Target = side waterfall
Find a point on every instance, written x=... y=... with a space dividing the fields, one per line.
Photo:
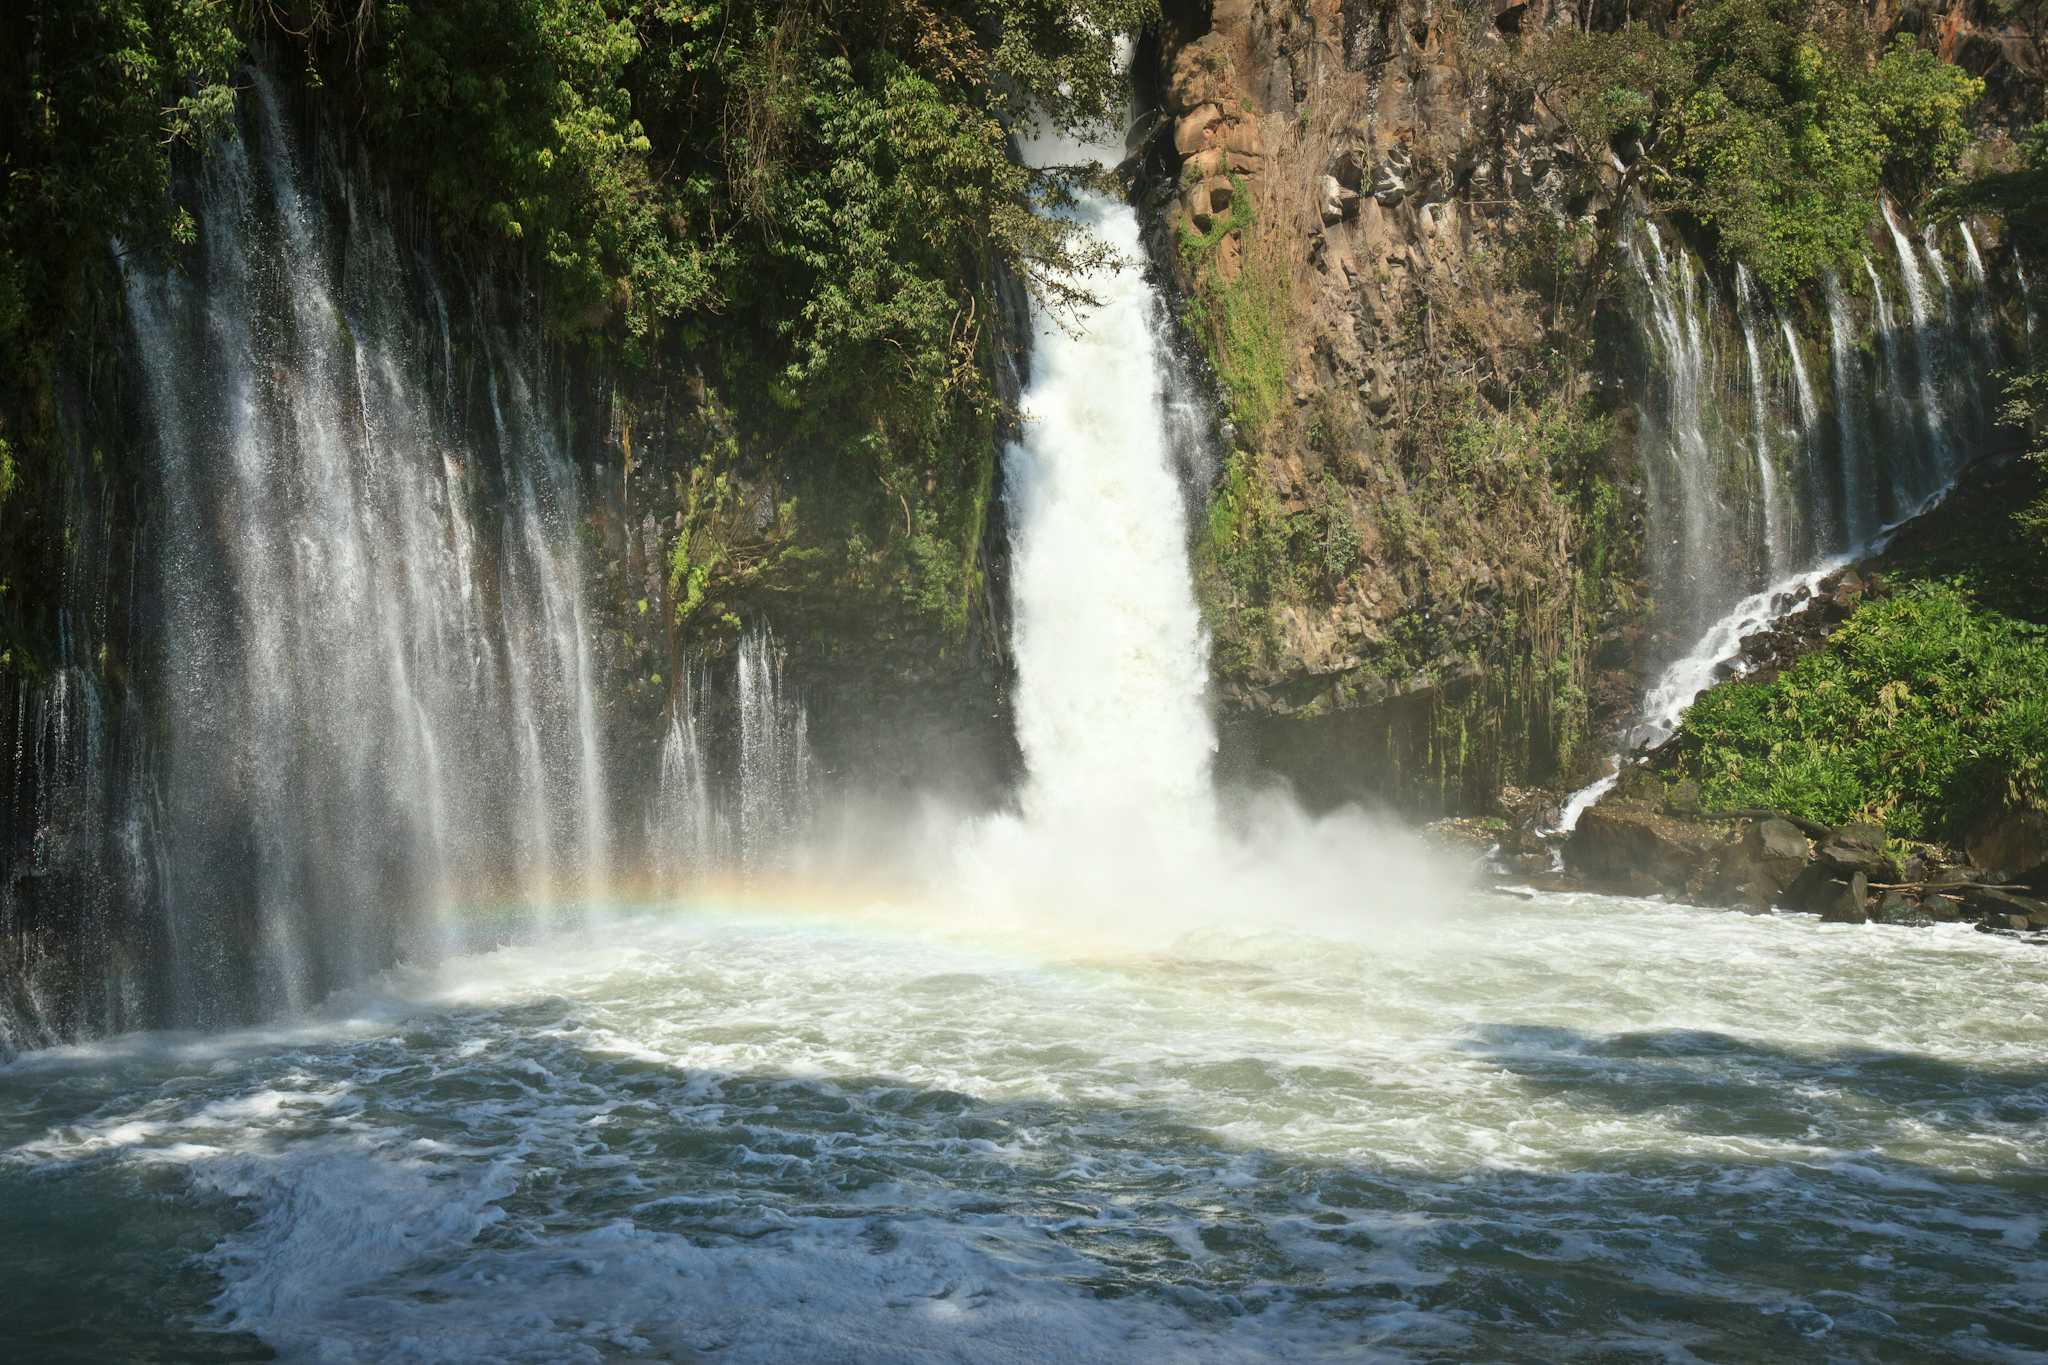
x=362 y=642
x=1731 y=547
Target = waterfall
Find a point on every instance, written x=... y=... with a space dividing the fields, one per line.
x=1760 y=438
x=1932 y=409
x=1691 y=557
x=1858 y=507
x=1112 y=669
x=775 y=792
x=738 y=781
x=1970 y=256
x=1806 y=411
x=359 y=735
x=1881 y=473
x=687 y=834
x=1982 y=339
x=2019 y=275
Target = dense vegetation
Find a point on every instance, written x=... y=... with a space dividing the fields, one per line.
x=1925 y=712
x=805 y=204
x=1770 y=124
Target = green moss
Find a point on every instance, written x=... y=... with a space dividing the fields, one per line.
x=1244 y=324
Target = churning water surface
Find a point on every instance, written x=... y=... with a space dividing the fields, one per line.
x=1569 y=1128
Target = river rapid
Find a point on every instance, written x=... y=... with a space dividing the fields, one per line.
x=786 y=1130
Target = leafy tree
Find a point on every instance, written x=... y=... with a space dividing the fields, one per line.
x=94 y=97
x=1767 y=122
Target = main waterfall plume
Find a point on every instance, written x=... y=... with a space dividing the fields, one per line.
x=1112 y=671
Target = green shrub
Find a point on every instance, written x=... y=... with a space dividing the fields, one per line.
x=1924 y=711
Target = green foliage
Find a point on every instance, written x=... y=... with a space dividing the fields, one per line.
x=535 y=147
x=1924 y=712
x=1920 y=103
x=1248 y=561
x=2024 y=408
x=1765 y=121
x=98 y=96
x=1243 y=323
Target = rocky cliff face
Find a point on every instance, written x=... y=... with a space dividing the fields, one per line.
x=1422 y=550
x=1430 y=555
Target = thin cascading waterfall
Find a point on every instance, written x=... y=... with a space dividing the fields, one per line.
x=775 y=781
x=1112 y=669
x=1806 y=409
x=1971 y=257
x=77 y=819
x=1957 y=343
x=1932 y=408
x=739 y=784
x=687 y=834
x=1982 y=337
x=543 y=512
x=1775 y=549
x=1689 y=558
x=1853 y=455
x=1907 y=459
x=2026 y=288
x=359 y=734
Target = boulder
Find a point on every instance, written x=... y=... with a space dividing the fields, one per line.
x=1347 y=168
x=1846 y=904
x=1201 y=74
x=1858 y=848
x=1941 y=909
x=1779 y=849
x=1204 y=164
x=1894 y=908
x=1196 y=129
x=1208 y=200
x=1988 y=903
x=2010 y=841
x=1632 y=848
x=1337 y=203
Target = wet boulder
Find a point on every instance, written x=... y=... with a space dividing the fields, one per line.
x=1847 y=903
x=1992 y=904
x=1779 y=850
x=1633 y=848
x=2012 y=840
x=1858 y=848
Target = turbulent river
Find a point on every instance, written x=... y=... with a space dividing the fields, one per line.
x=1480 y=1130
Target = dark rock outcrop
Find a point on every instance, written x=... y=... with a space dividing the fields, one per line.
x=1633 y=848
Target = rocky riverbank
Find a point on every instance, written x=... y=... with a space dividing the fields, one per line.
x=1851 y=874
x=1659 y=832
